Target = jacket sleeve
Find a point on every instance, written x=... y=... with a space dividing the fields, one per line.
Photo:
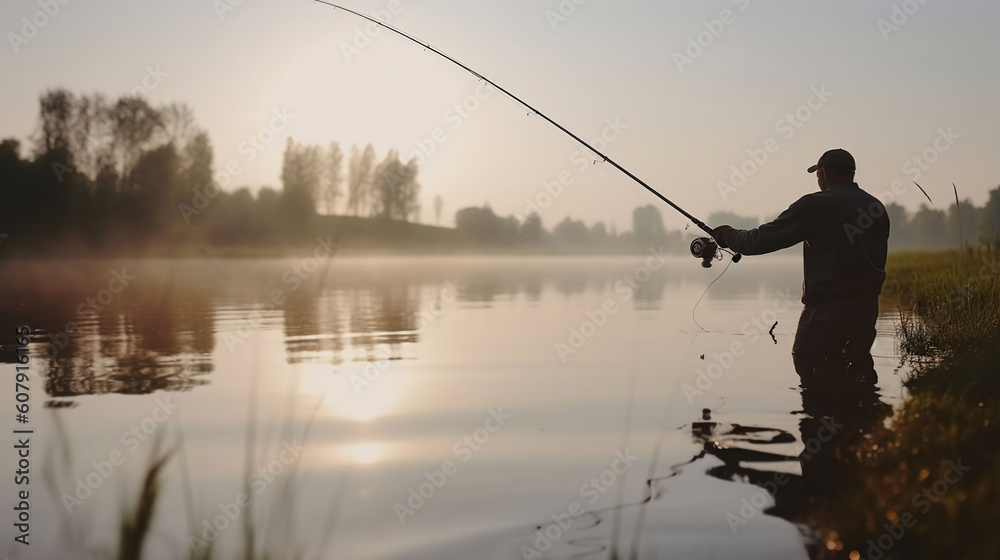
x=789 y=228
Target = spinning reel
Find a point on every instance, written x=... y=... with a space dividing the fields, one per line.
x=706 y=249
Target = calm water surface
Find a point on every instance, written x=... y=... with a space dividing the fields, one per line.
x=417 y=408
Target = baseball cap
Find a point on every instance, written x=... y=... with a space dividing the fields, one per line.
x=835 y=158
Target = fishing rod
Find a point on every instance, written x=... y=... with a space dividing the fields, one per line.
x=704 y=248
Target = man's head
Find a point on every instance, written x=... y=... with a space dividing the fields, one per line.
x=835 y=166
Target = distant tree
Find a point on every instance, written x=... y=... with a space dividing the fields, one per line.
x=56 y=110
x=196 y=165
x=332 y=177
x=438 y=207
x=362 y=166
x=234 y=217
x=301 y=173
x=900 y=232
x=961 y=224
x=411 y=191
x=532 y=232
x=482 y=226
x=395 y=189
x=90 y=137
x=13 y=173
x=571 y=232
x=929 y=227
x=178 y=124
x=154 y=178
x=268 y=209
x=134 y=126
x=989 y=218
x=598 y=234
x=647 y=225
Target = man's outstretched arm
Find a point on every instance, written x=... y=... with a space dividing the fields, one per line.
x=791 y=227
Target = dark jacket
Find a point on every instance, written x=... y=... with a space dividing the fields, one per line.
x=845 y=230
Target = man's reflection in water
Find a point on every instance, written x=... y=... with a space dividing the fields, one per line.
x=832 y=355
x=840 y=406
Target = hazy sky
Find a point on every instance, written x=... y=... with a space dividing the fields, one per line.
x=888 y=93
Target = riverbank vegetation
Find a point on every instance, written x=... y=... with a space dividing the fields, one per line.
x=926 y=484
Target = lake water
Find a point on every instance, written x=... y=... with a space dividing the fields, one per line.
x=411 y=408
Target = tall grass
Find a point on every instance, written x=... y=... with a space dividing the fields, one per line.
x=949 y=306
x=136 y=522
x=949 y=302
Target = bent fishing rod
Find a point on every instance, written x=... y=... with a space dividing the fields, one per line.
x=704 y=248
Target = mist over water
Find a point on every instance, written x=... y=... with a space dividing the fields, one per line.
x=525 y=402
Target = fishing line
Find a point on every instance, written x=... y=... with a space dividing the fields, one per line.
x=709 y=287
x=530 y=108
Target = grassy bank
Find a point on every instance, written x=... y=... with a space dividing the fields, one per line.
x=926 y=484
x=950 y=301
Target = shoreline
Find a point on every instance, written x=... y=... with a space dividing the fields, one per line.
x=901 y=495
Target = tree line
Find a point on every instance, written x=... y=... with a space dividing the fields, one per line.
x=480 y=226
x=109 y=173
x=962 y=223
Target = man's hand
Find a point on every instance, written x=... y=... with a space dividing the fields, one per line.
x=719 y=234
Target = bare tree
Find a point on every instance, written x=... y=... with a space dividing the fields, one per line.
x=359 y=180
x=395 y=188
x=90 y=138
x=196 y=164
x=178 y=124
x=134 y=126
x=301 y=174
x=332 y=177
x=54 y=120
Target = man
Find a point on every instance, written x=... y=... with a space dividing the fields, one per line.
x=845 y=231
